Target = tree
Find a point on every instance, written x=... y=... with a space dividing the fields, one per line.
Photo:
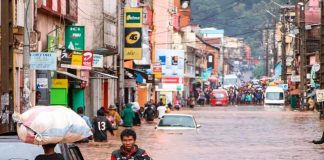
x=258 y=71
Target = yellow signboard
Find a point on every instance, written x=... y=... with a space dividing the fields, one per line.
x=133 y=17
x=133 y=53
x=76 y=58
x=133 y=43
x=60 y=83
x=158 y=75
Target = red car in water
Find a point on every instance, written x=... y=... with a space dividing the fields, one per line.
x=219 y=97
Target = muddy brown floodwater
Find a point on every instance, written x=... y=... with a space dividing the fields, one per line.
x=234 y=133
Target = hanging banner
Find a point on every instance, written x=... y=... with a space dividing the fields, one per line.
x=133 y=17
x=43 y=61
x=77 y=60
x=74 y=37
x=133 y=43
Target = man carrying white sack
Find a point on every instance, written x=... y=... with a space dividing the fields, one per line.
x=49 y=153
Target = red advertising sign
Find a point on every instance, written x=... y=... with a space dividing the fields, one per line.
x=172 y=80
x=157 y=68
x=87 y=59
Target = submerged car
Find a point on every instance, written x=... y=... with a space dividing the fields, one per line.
x=177 y=122
x=12 y=148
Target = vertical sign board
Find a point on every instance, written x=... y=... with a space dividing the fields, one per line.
x=320 y=95
x=157 y=71
x=133 y=33
x=133 y=43
x=52 y=42
x=74 y=37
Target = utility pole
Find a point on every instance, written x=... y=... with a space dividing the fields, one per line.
x=121 y=79
x=7 y=62
x=322 y=58
x=27 y=28
x=267 y=50
x=274 y=51
x=302 y=66
x=283 y=46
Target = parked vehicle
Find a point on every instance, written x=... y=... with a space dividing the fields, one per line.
x=12 y=148
x=219 y=97
x=274 y=96
x=177 y=122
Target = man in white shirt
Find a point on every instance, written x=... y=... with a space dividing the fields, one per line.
x=161 y=111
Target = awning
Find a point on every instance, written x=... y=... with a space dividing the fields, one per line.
x=133 y=71
x=103 y=76
x=71 y=75
x=108 y=51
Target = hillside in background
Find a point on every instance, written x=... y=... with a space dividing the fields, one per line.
x=239 y=18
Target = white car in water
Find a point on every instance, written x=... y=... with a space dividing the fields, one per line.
x=177 y=122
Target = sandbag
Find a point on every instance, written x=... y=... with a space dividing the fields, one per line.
x=51 y=125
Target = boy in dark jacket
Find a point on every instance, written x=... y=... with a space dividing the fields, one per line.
x=129 y=150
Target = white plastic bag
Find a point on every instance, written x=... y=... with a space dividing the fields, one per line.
x=50 y=125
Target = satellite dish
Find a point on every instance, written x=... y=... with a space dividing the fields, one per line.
x=185 y=4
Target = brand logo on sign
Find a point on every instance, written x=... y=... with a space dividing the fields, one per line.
x=133 y=37
x=133 y=17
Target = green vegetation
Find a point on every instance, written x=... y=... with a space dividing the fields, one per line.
x=239 y=18
x=258 y=71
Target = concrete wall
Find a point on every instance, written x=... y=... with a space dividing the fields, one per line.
x=91 y=16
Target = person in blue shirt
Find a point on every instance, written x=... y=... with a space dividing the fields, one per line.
x=84 y=117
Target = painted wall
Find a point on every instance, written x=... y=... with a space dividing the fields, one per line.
x=162 y=24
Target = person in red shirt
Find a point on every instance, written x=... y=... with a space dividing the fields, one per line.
x=129 y=150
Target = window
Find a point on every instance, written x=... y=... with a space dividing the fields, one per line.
x=232 y=81
x=177 y=121
x=275 y=96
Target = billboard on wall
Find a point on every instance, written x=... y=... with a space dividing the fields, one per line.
x=74 y=37
x=77 y=60
x=172 y=62
x=43 y=61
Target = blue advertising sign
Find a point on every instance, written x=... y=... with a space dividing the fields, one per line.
x=43 y=61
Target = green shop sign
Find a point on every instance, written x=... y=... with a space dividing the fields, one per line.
x=133 y=17
x=74 y=37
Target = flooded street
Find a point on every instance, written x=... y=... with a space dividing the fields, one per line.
x=231 y=133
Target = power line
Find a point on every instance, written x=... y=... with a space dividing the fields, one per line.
x=212 y=9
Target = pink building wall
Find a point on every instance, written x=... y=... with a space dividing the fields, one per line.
x=162 y=24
